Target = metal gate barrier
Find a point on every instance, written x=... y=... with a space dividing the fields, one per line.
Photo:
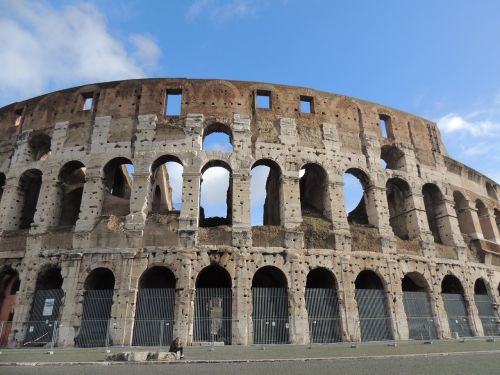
x=270 y=315
x=421 y=322
x=323 y=314
x=212 y=315
x=94 y=329
x=458 y=319
x=154 y=317
x=42 y=326
x=374 y=317
x=487 y=315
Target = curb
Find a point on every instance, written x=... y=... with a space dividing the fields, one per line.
x=185 y=362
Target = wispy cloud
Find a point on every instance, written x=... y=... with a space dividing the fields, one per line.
x=224 y=10
x=454 y=123
x=44 y=46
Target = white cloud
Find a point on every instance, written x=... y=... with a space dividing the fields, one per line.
x=175 y=179
x=223 y=10
x=453 y=123
x=214 y=191
x=44 y=47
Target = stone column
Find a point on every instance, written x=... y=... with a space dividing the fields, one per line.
x=471 y=309
x=290 y=210
x=377 y=210
x=92 y=200
x=396 y=304
x=190 y=211
x=242 y=301
x=69 y=271
x=124 y=299
x=339 y=215
x=349 y=307
x=470 y=220
x=418 y=227
x=139 y=199
x=184 y=299
x=11 y=205
x=298 y=320
x=489 y=227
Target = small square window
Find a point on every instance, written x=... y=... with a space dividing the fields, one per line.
x=19 y=117
x=384 y=123
x=88 y=102
x=306 y=104
x=263 y=99
x=173 y=105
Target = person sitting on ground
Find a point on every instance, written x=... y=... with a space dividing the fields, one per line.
x=176 y=347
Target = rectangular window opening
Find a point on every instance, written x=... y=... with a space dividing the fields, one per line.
x=19 y=117
x=263 y=100
x=306 y=104
x=88 y=102
x=173 y=103
x=384 y=122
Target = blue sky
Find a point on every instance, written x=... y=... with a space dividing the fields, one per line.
x=438 y=59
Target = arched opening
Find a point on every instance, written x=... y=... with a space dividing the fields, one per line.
x=97 y=302
x=45 y=307
x=166 y=185
x=452 y=293
x=71 y=183
x=462 y=211
x=217 y=137
x=485 y=309
x=314 y=191
x=485 y=220
x=357 y=204
x=322 y=305
x=491 y=191
x=154 y=313
x=215 y=194
x=2 y=185
x=433 y=201
x=212 y=305
x=30 y=183
x=266 y=193
x=118 y=180
x=392 y=157
x=400 y=207
x=9 y=285
x=39 y=145
x=497 y=218
x=374 y=317
x=270 y=306
x=417 y=303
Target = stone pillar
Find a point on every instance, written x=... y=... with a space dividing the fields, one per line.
x=396 y=304
x=139 y=199
x=69 y=271
x=290 y=210
x=242 y=301
x=190 y=211
x=241 y=200
x=471 y=309
x=418 y=227
x=11 y=205
x=92 y=200
x=348 y=306
x=489 y=227
x=298 y=320
x=49 y=203
x=377 y=210
x=24 y=300
x=470 y=220
x=339 y=216
x=184 y=305
x=124 y=299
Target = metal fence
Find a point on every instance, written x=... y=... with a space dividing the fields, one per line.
x=270 y=316
x=458 y=319
x=323 y=314
x=212 y=315
x=154 y=319
x=421 y=321
x=487 y=315
x=94 y=329
x=44 y=313
x=374 y=318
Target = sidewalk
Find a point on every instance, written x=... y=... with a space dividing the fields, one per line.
x=258 y=352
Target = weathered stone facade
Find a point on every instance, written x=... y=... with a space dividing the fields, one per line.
x=424 y=215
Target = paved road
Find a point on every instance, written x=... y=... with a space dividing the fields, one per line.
x=463 y=364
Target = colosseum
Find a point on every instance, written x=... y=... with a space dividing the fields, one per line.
x=95 y=250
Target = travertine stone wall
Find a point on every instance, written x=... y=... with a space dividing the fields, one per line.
x=128 y=120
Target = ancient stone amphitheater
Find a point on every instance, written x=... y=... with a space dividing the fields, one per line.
x=94 y=252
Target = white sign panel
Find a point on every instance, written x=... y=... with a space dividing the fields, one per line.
x=48 y=307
